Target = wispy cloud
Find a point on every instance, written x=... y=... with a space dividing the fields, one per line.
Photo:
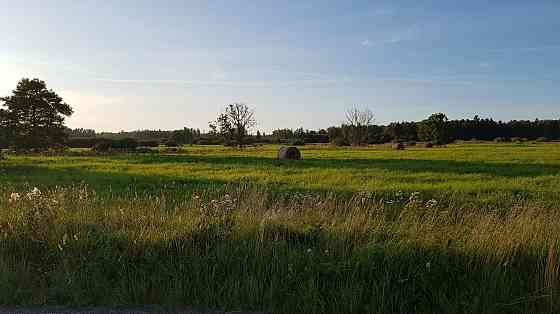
x=296 y=83
x=388 y=40
x=367 y=43
x=227 y=83
x=525 y=49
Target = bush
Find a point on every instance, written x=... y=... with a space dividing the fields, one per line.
x=143 y=149
x=297 y=142
x=106 y=145
x=102 y=146
x=170 y=143
x=341 y=141
x=127 y=144
x=148 y=143
x=59 y=149
x=83 y=142
x=502 y=140
x=541 y=139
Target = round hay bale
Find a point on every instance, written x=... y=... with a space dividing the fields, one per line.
x=398 y=146
x=289 y=153
x=428 y=145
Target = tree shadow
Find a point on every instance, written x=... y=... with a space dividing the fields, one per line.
x=286 y=271
x=510 y=170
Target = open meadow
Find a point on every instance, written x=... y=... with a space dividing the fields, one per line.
x=465 y=228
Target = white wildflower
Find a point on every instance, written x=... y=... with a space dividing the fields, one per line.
x=35 y=193
x=14 y=197
x=431 y=203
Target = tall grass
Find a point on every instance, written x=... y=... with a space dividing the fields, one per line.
x=243 y=247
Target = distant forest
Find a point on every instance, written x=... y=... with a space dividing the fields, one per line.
x=464 y=129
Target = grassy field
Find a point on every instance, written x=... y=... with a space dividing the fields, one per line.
x=459 y=229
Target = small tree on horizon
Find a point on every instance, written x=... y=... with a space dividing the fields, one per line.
x=435 y=129
x=358 y=121
x=34 y=116
x=235 y=122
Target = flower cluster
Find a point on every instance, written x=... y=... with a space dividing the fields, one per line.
x=34 y=194
x=14 y=197
x=431 y=203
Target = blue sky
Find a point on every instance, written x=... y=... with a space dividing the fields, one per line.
x=128 y=65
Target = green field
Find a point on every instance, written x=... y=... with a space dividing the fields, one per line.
x=457 y=229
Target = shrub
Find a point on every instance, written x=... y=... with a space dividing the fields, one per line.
x=148 y=143
x=125 y=144
x=102 y=146
x=297 y=142
x=83 y=142
x=341 y=141
x=541 y=139
x=143 y=149
x=59 y=149
x=502 y=140
x=170 y=143
x=169 y=150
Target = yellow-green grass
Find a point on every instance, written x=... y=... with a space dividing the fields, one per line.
x=343 y=231
x=487 y=175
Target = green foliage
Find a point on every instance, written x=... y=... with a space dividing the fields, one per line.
x=123 y=145
x=34 y=116
x=297 y=142
x=435 y=129
x=502 y=140
x=234 y=124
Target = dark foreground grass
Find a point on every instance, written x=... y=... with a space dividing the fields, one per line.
x=247 y=250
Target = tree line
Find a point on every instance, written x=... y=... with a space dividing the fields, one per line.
x=34 y=117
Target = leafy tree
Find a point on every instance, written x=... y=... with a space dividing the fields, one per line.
x=235 y=122
x=435 y=129
x=34 y=115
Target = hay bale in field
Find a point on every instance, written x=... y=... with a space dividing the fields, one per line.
x=289 y=153
x=428 y=145
x=398 y=146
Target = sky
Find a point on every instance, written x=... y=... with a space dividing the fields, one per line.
x=126 y=65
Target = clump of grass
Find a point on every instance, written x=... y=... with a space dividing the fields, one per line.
x=244 y=248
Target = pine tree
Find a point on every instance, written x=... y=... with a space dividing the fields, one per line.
x=34 y=115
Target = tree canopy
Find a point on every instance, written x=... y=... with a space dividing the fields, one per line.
x=33 y=116
x=234 y=123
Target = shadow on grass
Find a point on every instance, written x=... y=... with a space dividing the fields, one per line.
x=407 y=165
x=282 y=274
